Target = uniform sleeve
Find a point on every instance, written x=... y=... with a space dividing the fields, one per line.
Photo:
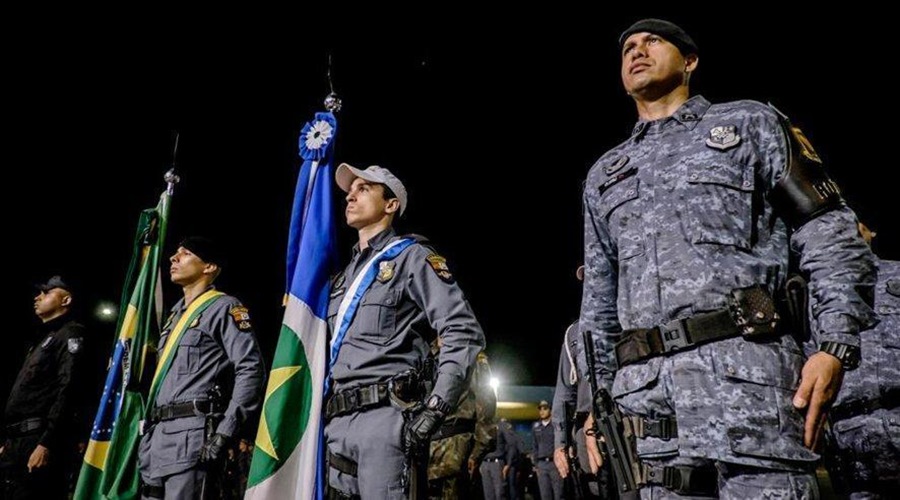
x=69 y=374
x=838 y=262
x=565 y=393
x=241 y=348
x=485 y=410
x=599 y=314
x=450 y=315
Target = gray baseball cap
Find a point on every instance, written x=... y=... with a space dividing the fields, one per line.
x=346 y=173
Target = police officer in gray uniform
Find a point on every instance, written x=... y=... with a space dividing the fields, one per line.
x=386 y=307
x=496 y=466
x=213 y=383
x=688 y=228
x=549 y=480
x=865 y=418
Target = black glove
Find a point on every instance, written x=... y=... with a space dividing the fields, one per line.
x=213 y=448
x=419 y=431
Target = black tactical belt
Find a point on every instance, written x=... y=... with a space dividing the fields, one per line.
x=681 y=479
x=450 y=429
x=750 y=313
x=864 y=406
x=342 y=464
x=196 y=408
x=336 y=494
x=151 y=491
x=498 y=459
x=357 y=399
x=662 y=428
x=544 y=459
x=24 y=427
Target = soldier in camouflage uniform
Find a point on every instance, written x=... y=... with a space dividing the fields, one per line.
x=865 y=419
x=688 y=228
x=466 y=436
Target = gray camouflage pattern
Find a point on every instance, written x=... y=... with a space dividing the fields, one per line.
x=677 y=226
x=869 y=445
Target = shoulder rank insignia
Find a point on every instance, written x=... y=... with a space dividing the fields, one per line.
x=385 y=271
x=241 y=317
x=168 y=322
x=439 y=266
x=74 y=345
x=195 y=322
x=47 y=341
x=724 y=137
x=806 y=148
x=893 y=287
x=616 y=165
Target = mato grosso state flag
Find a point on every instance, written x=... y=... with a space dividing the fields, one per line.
x=288 y=443
x=110 y=468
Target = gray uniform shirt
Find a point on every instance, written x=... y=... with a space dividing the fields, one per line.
x=413 y=299
x=571 y=386
x=679 y=215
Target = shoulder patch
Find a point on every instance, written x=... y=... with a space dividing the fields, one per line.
x=241 y=317
x=439 y=266
x=74 y=345
x=806 y=148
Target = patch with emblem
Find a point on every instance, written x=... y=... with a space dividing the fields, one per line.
x=385 y=271
x=439 y=266
x=241 y=317
x=47 y=341
x=806 y=148
x=338 y=280
x=616 y=165
x=893 y=287
x=74 y=345
x=724 y=137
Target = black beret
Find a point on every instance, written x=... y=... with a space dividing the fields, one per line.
x=205 y=248
x=670 y=31
x=55 y=282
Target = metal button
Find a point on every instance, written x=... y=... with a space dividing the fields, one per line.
x=730 y=369
x=630 y=192
x=694 y=177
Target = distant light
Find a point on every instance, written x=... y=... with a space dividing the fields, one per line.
x=495 y=383
x=106 y=311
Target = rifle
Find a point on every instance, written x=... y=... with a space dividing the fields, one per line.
x=574 y=478
x=619 y=448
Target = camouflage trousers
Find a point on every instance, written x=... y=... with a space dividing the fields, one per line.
x=868 y=451
x=447 y=467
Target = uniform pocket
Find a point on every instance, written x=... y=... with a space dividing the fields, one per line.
x=720 y=197
x=178 y=441
x=376 y=318
x=187 y=359
x=758 y=384
x=618 y=205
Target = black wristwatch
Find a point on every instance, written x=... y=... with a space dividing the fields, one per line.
x=436 y=403
x=847 y=354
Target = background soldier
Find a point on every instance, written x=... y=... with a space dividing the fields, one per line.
x=465 y=438
x=549 y=480
x=689 y=225
x=388 y=304
x=36 y=440
x=211 y=380
x=866 y=413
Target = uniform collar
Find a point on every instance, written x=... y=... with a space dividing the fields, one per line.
x=377 y=242
x=53 y=325
x=180 y=306
x=688 y=115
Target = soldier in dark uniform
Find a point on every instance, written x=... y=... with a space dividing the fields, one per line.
x=495 y=467
x=388 y=304
x=36 y=440
x=210 y=380
x=549 y=480
x=689 y=225
x=865 y=418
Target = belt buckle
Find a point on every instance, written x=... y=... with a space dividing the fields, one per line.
x=673 y=335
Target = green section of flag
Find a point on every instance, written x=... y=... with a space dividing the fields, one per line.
x=286 y=410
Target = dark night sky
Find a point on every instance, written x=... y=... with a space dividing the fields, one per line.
x=492 y=123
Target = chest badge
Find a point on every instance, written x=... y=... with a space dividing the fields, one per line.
x=724 y=137
x=616 y=165
x=385 y=271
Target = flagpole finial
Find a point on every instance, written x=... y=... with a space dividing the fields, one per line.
x=171 y=179
x=333 y=103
